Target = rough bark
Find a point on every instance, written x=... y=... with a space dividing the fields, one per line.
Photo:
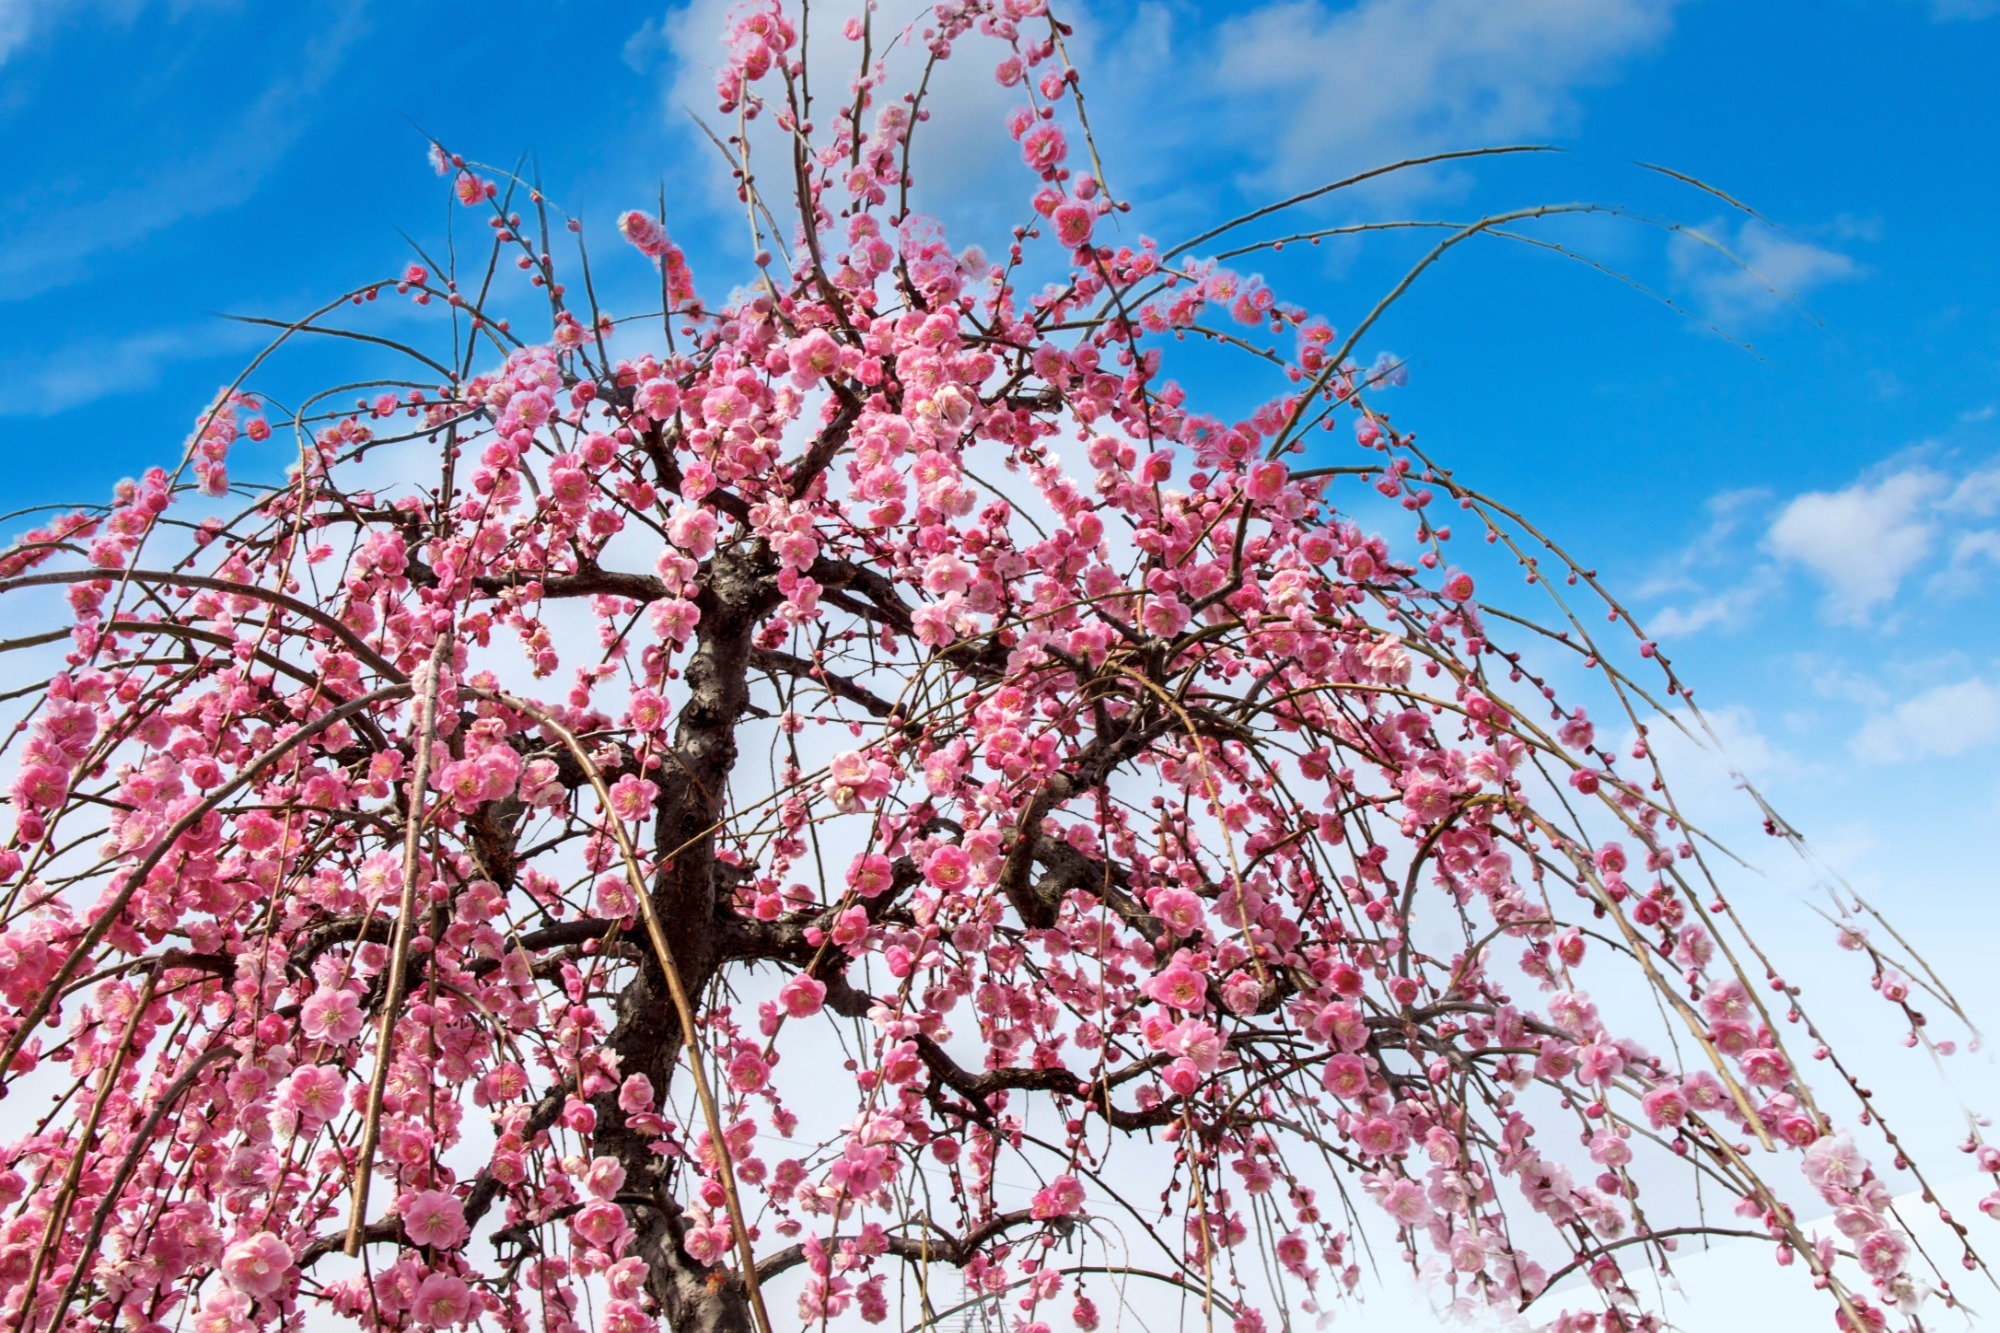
x=737 y=591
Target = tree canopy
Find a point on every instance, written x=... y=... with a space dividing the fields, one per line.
x=668 y=820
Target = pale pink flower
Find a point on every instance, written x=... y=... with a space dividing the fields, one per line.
x=1061 y=1197
x=813 y=358
x=1345 y=1076
x=1882 y=1253
x=1834 y=1163
x=802 y=996
x=314 y=1094
x=257 y=1265
x=1266 y=481
x=331 y=1015
x=636 y=1096
x=605 y=1177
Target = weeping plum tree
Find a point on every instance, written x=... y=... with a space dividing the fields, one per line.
x=863 y=798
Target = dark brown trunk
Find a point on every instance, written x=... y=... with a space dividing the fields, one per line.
x=738 y=591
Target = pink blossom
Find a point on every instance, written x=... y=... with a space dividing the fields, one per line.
x=1180 y=986
x=332 y=1016
x=1345 y=1076
x=814 y=357
x=1061 y=1197
x=1164 y=616
x=614 y=896
x=624 y=1315
x=1267 y=481
x=442 y=1300
x=632 y=797
x=869 y=875
x=636 y=1095
x=1882 y=1254
x=1665 y=1108
x=948 y=869
x=600 y=1225
x=1833 y=1162
x=605 y=1177
x=748 y=1071
x=434 y=1218
x=802 y=996
x=1073 y=224
x=693 y=530
x=1599 y=1062
x=257 y=1265
x=644 y=233
x=1044 y=147
x=314 y=1093
x=223 y=1310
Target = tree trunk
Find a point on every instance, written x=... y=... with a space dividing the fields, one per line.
x=738 y=591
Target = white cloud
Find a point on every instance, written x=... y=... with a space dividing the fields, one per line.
x=1943 y=720
x=1862 y=541
x=1734 y=277
x=1319 y=91
x=1741 y=744
x=1724 y=608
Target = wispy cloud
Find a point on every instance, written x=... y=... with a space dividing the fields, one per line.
x=17 y=24
x=1735 y=276
x=1950 y=11
x=21 y=21
x=54 y=247
x=1689 y=577
x=1731 y=606
x=85 y=372
x=1319 y=90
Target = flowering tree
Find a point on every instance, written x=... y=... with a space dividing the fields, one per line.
x=872 y=785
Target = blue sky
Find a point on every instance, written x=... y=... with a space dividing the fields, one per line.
x=1812 y=529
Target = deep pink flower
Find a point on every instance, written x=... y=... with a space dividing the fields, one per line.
x=600 y=1225
x=1074 y=222
x=1180 y=986
x=1044 y=147
x=442 y=1300
x=434 y=1218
